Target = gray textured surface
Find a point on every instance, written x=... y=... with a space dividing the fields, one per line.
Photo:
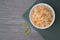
x=11 y=17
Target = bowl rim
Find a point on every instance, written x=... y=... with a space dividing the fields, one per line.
x=53 y=12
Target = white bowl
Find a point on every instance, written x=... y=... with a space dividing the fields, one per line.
x=53 y=12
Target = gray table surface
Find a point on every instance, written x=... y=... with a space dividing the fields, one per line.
x=11 y=17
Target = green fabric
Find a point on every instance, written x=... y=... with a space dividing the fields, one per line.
x=52 y=33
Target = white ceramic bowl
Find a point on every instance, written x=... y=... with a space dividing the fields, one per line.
x=53 y=12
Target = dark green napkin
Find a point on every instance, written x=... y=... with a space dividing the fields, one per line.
x=52 y=33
